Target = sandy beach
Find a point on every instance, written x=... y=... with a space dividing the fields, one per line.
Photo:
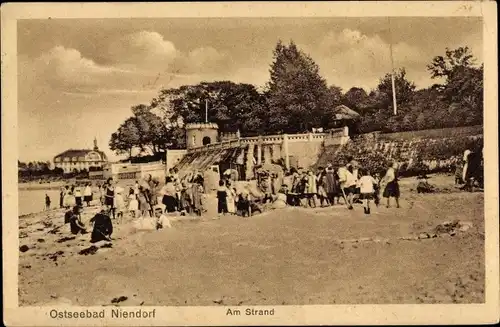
x=291 y=256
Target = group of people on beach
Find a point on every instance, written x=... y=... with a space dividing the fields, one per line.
x=70 y=196
x=185 y=196
x=469 y=170
x=101 y=223
x=349 y=182
x=141 y=203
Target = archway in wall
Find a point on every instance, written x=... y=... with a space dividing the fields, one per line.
x=206 y=140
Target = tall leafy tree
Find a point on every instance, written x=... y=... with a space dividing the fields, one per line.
x=296 y=93
x=335 y=94
x=126 y=138
x=444 y=66
x=355 y=98
x=462 y=88
x=405 y=89
x=232 y=106
x=146 y=132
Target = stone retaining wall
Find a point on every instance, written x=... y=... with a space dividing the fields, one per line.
x=375 y=151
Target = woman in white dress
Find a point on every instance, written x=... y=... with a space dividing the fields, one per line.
x=66 y=197
x=231 y=195
x=71 y=199
x=119 y=202
x=87 y=194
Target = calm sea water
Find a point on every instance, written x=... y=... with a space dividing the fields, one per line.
x=31 y=201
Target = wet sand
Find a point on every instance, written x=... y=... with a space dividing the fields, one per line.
x=292 y=256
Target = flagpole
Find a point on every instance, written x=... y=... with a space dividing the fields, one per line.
x=206 y=110
x=394 y=102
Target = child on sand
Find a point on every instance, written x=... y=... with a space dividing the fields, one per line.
x=119 y=202
x=366 y=186
x=347 y=184
x=61 y=197
x=222 y=198
x=75 y=222
x=78 y=195
x=376 y=188
x=311 y=189
x=162 y=220
x=87 y=194
x=144 y=206
x=243 y=204
x=459 y=168
x=196 y=196
x=133 y=204
x=391 y=189
x=47 y=202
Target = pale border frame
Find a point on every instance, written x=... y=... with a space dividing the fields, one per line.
x=286 y=315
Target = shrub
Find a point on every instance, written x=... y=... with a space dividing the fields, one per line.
x=427 y=155
x=434 y=133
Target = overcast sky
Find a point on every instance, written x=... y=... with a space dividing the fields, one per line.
x=78 y=78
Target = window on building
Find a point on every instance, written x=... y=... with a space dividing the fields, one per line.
x=206 y=140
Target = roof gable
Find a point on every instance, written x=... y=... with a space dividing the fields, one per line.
x=344 y=112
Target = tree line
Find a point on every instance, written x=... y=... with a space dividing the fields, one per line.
x=297 y=98
x=42 y=170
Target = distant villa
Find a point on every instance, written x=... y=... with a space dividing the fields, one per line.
x=71 y=160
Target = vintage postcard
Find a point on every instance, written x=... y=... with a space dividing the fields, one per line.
x=268 y=163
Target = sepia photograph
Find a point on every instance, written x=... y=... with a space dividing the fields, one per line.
x=249 y=164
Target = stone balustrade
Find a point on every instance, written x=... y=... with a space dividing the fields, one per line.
x=268 y=139
x=266 y=149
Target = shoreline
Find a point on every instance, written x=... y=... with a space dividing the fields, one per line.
x=35 y=186
x=31 y=188
x=403 y=180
